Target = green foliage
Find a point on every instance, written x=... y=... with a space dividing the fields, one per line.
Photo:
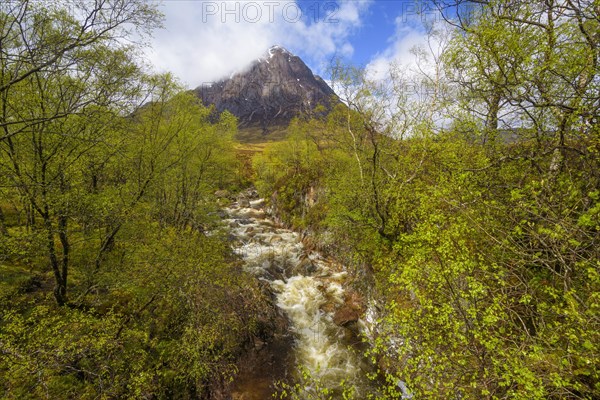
x=112 y=203
x=488 y=274
x=61 y=100
x=289 y=170
x=479 y=243
x=310 y=388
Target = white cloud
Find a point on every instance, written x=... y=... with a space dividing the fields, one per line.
x=207 y=40
x=408 y=73
x=408 y=37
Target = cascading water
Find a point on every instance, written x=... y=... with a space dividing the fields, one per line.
x=304 y=284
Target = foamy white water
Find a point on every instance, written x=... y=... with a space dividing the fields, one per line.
x=303 y=284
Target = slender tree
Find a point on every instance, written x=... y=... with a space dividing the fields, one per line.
x=63 y=70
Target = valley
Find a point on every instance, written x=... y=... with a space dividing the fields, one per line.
x=422 y=225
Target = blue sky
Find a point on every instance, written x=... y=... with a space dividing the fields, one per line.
x=205 y=40
x=382 y=22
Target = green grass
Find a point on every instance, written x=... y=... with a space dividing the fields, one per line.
x=255 y=134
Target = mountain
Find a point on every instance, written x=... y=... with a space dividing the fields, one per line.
x=268 y=94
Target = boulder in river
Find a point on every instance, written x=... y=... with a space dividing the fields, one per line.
x=351 y=311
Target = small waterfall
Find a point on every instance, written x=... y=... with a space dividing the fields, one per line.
x=305 y=285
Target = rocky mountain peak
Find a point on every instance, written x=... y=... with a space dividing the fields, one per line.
x=278 y=49
x=273 y=89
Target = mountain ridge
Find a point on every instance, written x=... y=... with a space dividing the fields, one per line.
x=269 y=93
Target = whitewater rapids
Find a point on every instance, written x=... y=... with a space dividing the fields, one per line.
x=305 y=285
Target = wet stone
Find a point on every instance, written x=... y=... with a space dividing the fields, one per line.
x=351 y=311
x=243 y=202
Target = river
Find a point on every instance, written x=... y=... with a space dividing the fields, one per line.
x=307 y=289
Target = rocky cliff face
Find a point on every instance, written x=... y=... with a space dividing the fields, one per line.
x=267 y=95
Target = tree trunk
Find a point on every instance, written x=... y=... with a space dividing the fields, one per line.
x=491 y=123
x=30 y=215
x=64 y=240
x=3 y=229
x=60 y=287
